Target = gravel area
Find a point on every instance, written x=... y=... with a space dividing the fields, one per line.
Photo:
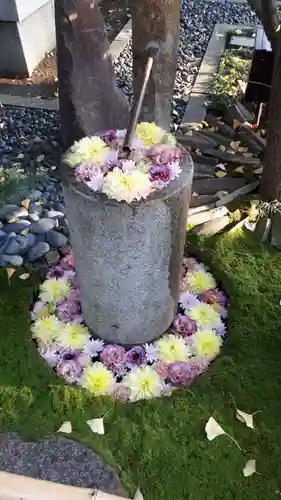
x=59 y=460
x=197 y=23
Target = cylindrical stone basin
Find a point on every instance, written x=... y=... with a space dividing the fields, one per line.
x=128 y=258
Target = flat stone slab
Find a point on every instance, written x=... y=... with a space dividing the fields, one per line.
x=60 y=461
x=236 y=159
x=212 y=186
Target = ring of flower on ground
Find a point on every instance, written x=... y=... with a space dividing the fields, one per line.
x=143 y=371
x=99 y=162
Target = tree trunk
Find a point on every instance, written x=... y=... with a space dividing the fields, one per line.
x=266 y=11
x=89 y=99
x=156 y=21
x=271 y=179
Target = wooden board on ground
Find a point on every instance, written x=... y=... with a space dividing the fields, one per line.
x=14 y=487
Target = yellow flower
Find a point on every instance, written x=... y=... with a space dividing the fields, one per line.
x=47 y=329
x=198 y=282
x=127 y=186
x=207 y=343
x=73 y=335
x=171 y=348
x=144 y=383
x=54 y=290
x=98 y=379
x=89 y=149
x=204 y=315
x=149 y=133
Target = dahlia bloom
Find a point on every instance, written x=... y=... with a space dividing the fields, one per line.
x=171 y=348
x=51 y=353
x=144 y=383
x=127 y=186
x=73 y=335
x=89 y=149
x=93 y=347
x=70 y=370
x=207 y=343
x=47 y=329
x=135 y=356
x=204 y=315
x=184 y=325
x=162 y=154
x=149 y=133
x=54 y=290
x=198 y=281
x=69 y=311
x=97 y=379
x=114 y=357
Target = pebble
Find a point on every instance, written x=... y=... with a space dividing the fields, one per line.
x=42 y=226
x=52 y=257
x=38 y=251
x=26 y=242
x=35 y=209
x=17 y=227
x=34 y=195
x=14 y=260
x=54 y=214
x=10 y=212
x=56 y=239
x=13 y=247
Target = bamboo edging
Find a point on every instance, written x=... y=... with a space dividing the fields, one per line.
x=14 y=487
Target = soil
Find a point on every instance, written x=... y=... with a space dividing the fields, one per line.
x=43 y=81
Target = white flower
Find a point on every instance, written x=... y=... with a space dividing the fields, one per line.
x=93 y=347
x=151 y=352
x=144 y=383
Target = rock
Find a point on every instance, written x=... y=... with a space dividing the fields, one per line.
x=56 y=239
x=42 y=226
x=218 y=139
x=205 y=160
x=10 y=212
x=37 y=251
x=212 y=186
x=150 y=254
x=35 y=195
x=13 y=247
x=60 y=208
x=64 y=230
x=212 y=227
x=59 y=460
x=35 y=209
x=14 y=260
x=82 y=106
x=17 y=227
x=26 y=242
x=201 y=168
x=196 y=141
x=237 y=159
x=33 y=217
x=54 y=214
x=52 y=257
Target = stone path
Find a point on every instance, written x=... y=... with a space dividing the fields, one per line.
x=58 y=460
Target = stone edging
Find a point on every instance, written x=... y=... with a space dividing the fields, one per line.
x=14 y=487
x=116 y=47
x=196 y=108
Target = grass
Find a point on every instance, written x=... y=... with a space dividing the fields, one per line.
x=161 y=445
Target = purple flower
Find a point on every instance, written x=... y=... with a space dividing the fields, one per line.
x=188 y=300
x=182 y=373
x=68 y=260
x=212 y=297
x=93 y=347
x=150 y=353
x=221 y=329
x=70 y=370
x=121 y=392
x=175 y=170
x=109 y=136
x=69 y=312
x=160 y=176
x=135 y=356
x=84 y=172
x=162 y=154
x=184 y=325
x=51 y=353
x=114 y=357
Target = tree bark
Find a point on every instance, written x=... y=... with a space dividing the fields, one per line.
x=89 y=99
x=270 y=188
x=156 y=21
x=267 y=13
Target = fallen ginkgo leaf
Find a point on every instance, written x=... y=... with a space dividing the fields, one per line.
x=213 y=430
x=221 y=166
x=246 y=418
x=240 y=169
x=24 y=276
x=96 y=425
x=10 y=272
x=258 y=170
x=66 y=428
x=250 y=468
x=138 y=495
x=220 y=174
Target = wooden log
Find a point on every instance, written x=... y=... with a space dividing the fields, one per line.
x=239 y=225
x=212 y=227
x=206 y=215
x=235 y=194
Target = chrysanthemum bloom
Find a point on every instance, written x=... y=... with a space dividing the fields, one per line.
x=150 y=352
x=54 y=290
x=60 y=271
x=46 y=329
x=114 y=357
x=182 y=373
x=184 y=325
x=149 y=133
x=84 y=172
x=109 y=136
x=163 y=154
x=127 y=187
x=172 y=348
x=121 y=392
x=68 y=260
x=213 y=297
x=188 y=300
x=204 y=315
x=207 y=343
x=137 y=143
x=51 y=353
x=97 y=379
x=161 y=368
x=221 y=329
x=70 y=370
x=197 y=281
x=89 y=149
x=143 y=165
x=135 y=356
x=69 y=311
x=160 y=176
x=73 y=335
x=144 y=383
x=40 y=309
x=93 y=347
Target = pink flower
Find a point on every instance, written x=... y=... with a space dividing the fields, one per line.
x=121 y=392
x=161 y=368
x=84 y=172
x=182 y=373
x=163 y=154
x=114 y=357
x=212 y=297
x=69 y=312
x=188 y=300
x=70 y=370
x=68 y=260
x=184 y=325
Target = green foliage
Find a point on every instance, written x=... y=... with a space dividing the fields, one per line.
x=234 y=66
x=14 y=183
x=160 y=445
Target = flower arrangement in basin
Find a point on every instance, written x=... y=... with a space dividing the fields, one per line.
x=101 y=163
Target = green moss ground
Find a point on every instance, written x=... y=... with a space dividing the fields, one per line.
x=161 y=445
